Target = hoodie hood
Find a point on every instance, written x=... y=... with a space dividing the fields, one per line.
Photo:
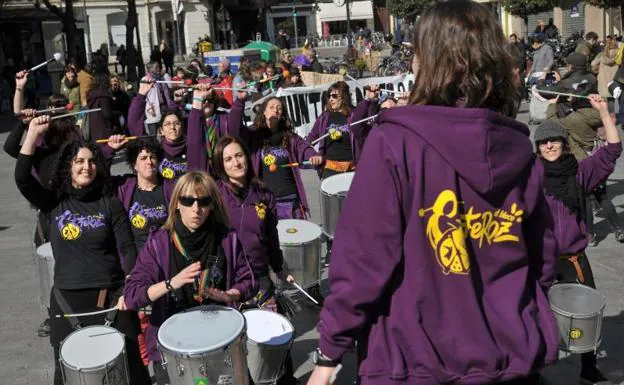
x=487 y=149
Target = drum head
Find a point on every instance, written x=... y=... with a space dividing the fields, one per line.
x=45 y=251
x=92 y=347
x=201 y=329
x=575 y=299
x=338 y=183
x=268 y=328
x=297 y=232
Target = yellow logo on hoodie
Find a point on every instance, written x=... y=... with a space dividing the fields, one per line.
x=447 y=230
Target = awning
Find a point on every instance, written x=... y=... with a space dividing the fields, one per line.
x=360 y=10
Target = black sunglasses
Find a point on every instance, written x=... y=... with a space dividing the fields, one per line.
x=334 y=96
x=201 y=201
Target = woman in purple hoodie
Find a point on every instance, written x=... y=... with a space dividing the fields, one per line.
x=342 y=147
x=196 y=241
x=444 y=248
x=253 y=214
x=275 y=148
x=567 y=182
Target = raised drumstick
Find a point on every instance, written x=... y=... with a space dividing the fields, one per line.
x=285 y=74
x=76 y=113
x=564 y=94
x=68 y=107
x=57 y=56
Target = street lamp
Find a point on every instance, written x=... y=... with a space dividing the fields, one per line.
x=294 y=10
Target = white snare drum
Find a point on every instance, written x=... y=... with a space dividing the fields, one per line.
x=333 y=193
x=578 y=310
x=45 y=267
x=300 y=242
x=269 y=339
x=94 y=355
x=204 y=344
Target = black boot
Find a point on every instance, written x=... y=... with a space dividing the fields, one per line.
x=590 y=374
x=44 y=329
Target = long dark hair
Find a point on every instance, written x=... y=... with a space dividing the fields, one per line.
x=347 y=105
x=61 y=182
x=286 y=125
x=218 y=163
x=462 y=59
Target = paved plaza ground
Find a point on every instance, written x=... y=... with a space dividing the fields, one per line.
x=26 y=359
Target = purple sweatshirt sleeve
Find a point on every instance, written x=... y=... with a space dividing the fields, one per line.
x=594 y=169
x=136 y=115
x=538 y=229
x=360 y=112
x=235 y=117
x=302 y=149
x=146 y=273
x=365 y=256
x=243 y=276
x=196 y=156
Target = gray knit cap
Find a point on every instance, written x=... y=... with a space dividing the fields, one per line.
x=550 y=129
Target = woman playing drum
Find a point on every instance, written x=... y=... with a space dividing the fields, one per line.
x=87 y=226
x=567 y=183
x=274 y=148
x=342 y=147
x=443 y=251
x=251 y=208
x=194 y=259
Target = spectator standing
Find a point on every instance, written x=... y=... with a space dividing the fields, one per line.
x=122 y=57
x=167 y=56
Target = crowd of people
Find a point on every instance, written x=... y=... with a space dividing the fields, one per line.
x=445 y=249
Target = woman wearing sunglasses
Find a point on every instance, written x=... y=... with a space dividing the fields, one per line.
x=176 y=148
x=342 y=147
x=567 y=182
x=276 y=153
x=194 y=259
x=87 y=227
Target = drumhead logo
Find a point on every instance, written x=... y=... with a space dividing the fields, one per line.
x=71 y=226
x=291 y=230
x=447 y=230
x=575 y=334
x=261 y=210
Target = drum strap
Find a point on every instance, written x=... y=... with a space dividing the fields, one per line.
x=574 y=260
x=73 y=321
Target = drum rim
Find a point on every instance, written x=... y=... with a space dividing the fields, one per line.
x=289 y=342
x=565 y=313
x=242 y=331
x=341 y=175
x=92 y=369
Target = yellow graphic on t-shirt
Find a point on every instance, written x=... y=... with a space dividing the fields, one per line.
x=70 y=232
x=334 y=134
x=261 y=210
x=269 y=159
x=447 y=230
x=139 y=221
x=167 y=173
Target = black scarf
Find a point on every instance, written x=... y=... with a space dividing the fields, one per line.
x=201 y=245
x=560 y=182
x=89 y=193
x=71 y=84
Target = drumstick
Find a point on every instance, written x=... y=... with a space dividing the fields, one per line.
x=274 y=167
x=100 y=141
x=295 y=284
x=264 y=80
x=56 y=57
x=352 y=124
x=76 y=113
x=68 y=107
x=390 y=91
x=564 y=94
x=332 y=378
x=87 y=314
x=355 y=80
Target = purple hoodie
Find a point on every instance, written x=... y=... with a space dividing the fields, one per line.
x=443 y=253
x=153 y=266
x=570 y=230
x=358 y=131
x=255 y=222
x=298 y=151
